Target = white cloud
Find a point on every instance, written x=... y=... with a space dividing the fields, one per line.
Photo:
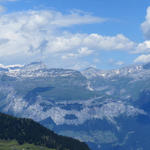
x=32 y=32
x=75 y=18
x=142 y=59
x=143 y=47
x=118 y=42
x=41 y=34
x=146 y=24
x=83 y=51
x=69 y=55
x=67 y=42
x=119 y=63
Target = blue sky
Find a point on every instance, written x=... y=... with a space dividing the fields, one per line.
x=105 y=34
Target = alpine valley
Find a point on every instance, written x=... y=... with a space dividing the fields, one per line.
x=109 y=110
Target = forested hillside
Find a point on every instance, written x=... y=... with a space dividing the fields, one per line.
x=28 y=131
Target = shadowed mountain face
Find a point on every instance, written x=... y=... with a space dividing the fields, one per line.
x=106 y=109
x=146 y=66
x=28 y=131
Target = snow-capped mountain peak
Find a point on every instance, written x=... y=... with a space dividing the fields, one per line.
x=125 y=71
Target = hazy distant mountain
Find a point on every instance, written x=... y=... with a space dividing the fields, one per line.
x=106 y=109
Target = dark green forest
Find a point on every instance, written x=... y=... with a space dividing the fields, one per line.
x=28 y=131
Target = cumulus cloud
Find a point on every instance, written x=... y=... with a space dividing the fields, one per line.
x=118 y=42
x=146 y=25
x=95 y=42
x=143 y=47
x=33 y=32
x=41 y=34
x=142 y=59
x=45 y=34
x=83 y=51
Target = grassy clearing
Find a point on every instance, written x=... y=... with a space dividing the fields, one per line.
x=13 y=145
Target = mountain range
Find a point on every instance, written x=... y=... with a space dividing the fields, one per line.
x=105 y=109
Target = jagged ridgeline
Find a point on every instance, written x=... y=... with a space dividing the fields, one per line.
x=27 y=131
